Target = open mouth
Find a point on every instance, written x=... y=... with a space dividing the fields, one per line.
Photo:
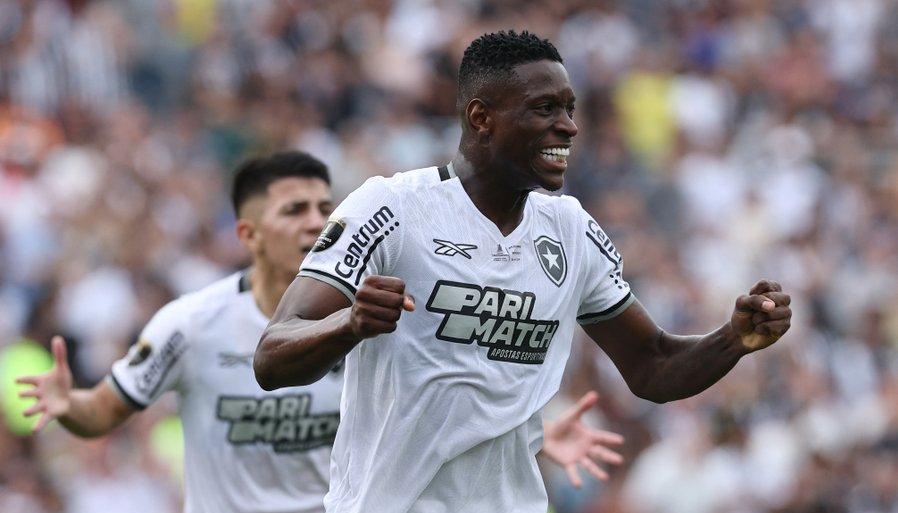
x=556 y=154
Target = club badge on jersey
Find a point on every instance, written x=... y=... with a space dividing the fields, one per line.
x=551 y=259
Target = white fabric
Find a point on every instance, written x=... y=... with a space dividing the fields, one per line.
x=246 y=450
x=432 y=421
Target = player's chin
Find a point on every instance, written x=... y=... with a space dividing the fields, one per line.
x=549 y=174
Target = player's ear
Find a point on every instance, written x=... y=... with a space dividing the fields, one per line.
x=479 y=119
x=248 y=234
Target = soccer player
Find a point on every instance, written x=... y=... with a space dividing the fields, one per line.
x=453 y=293
x=248 y=450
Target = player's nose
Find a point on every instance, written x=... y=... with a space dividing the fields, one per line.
x=315 y=222
x=565 y=124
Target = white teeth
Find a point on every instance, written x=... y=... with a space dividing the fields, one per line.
x=555 y=158
x=562 y=152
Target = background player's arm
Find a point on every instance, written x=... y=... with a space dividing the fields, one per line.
x=572 y=445
x=87 y=413
x=662 y=367
x=315 y=326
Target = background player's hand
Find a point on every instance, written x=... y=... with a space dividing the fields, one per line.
x=763 y=316
x=51 y=389
x=378 y=304
x=571 y=444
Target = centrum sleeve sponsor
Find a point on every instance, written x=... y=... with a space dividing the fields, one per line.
x=364 y=242
x=152 y=375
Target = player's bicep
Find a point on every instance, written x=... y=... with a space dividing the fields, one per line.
x=311 y=299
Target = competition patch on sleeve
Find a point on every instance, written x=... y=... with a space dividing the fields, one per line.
x=141 y=352
x=329 y=235
x=160 y=364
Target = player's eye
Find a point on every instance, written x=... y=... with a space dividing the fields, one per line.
x=295 y=209
x=545 y=108
x=570 y=109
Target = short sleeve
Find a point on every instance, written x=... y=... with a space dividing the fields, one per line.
x=363 y=237
x=154 y=364
x=605 y=293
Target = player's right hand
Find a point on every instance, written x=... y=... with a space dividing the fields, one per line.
x=51 y=389
x=378 y=304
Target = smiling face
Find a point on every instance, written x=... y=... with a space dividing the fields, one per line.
x=280 y=227
x=533 y=125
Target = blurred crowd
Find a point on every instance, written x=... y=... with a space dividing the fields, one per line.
x=720 y=142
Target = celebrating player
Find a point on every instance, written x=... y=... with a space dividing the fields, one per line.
x=248 y=450
x=453 y=293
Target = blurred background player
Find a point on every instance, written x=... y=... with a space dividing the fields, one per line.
x=696 y=120
x=245 y=450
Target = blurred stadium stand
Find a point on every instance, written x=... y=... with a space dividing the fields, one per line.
x=720 y=142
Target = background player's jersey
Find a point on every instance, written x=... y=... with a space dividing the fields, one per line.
x=443 y=414
x=246 y=450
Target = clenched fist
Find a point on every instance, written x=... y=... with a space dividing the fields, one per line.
x=763 y=316
x=378 y=304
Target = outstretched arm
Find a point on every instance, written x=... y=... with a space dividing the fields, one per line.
x=662 y=367
x=572 y=445
x=314 y=327
x=86 y=413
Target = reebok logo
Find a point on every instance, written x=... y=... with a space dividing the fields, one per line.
x=444 y=247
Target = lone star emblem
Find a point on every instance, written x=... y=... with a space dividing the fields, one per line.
x=552 y=259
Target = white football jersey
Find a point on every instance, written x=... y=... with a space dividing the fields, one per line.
x=246 y=450
x=443 y=415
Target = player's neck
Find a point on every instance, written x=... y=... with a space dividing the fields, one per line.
x=493 y=196
x=268 y=286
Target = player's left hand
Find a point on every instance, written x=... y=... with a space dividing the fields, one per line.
x=763 y=316
x=571 y=444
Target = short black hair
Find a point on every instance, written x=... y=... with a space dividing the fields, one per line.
x=493 y=56
x=254 y=175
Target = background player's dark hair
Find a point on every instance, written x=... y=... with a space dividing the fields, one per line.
x=493 y=56
x=253 y=176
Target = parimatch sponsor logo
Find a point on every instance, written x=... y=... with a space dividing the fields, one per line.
x=495 y=318
x=283 y=422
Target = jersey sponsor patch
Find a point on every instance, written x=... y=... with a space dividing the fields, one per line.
x=550 y=254
x=329 y=235
x=283 y=422
x=364 y=242
x=495 y=318
x=595 y=234
x=160 y=364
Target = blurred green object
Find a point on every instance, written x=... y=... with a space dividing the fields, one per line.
x=22 y=358
x=167 y=442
